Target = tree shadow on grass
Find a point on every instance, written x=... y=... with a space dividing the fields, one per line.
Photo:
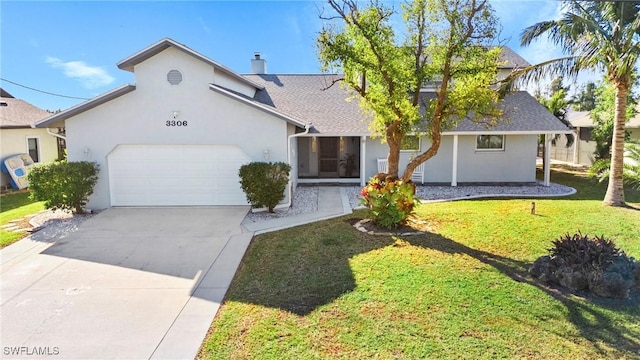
x=592 y=323
x=301 y=269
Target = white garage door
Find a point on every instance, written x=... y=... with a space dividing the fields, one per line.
x=170 y=175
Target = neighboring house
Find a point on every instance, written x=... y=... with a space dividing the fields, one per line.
x=582 y=151
x=18 y=136
x=179 y=135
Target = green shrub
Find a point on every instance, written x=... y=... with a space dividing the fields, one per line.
x=264 y=183
x=631 y=166
x=580 y=263
x=63 y=185
x=390 y=202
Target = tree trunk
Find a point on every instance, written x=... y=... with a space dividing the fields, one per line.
x=394 y=138
x=431 y=152
x=615 y=189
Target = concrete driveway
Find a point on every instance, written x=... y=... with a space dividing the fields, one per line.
x=130 y=283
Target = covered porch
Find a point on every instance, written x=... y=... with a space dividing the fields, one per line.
x=330 y=159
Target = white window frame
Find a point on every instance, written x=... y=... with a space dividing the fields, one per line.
x=491 y=149
x=412 y=150
x=38 y=144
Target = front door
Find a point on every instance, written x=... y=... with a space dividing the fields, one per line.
x=329 y=148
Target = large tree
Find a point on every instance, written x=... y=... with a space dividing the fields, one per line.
x=601 y=35
x=445 y=43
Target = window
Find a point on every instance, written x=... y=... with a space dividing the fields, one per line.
x=33 y=147
x=410 y=143
x=490 y=142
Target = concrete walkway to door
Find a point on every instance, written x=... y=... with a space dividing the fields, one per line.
x=130 y=283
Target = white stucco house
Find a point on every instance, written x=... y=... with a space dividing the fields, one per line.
x=19 y=136
x=581 y=152
x=179 y=135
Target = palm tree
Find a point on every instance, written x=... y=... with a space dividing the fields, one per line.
x=631 y=173
x=601 y=35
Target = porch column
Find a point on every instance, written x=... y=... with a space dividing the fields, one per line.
x=454 y=165
x=576 y=146
x=363 y=162
x=547 y=161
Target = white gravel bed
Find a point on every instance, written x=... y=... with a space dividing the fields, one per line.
x=53 y=225
x=305 y=200
x=445 y=193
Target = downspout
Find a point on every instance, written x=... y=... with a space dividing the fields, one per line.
x=307 y=127
x=56 y=134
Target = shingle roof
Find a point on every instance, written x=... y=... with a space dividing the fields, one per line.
x=19 y=113
x=522 y=113
x=311 y=98
x=257 y=104
x=512 y=59
x=583 y=119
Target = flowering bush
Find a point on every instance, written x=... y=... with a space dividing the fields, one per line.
x=390 y=202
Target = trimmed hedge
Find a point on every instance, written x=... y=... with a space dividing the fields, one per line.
x=63 y=185
x=264 y=183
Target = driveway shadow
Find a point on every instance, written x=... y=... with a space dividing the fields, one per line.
x=290 y=272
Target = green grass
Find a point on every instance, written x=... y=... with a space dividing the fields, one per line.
x=327 y=291
x=14 y=206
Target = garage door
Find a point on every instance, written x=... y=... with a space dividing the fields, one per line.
x=176 y=175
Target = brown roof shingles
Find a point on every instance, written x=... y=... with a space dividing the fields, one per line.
x=19 y=113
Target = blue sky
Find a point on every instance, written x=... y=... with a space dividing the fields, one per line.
x=72 y=47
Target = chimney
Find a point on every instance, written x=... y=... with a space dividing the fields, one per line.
x=258 y=65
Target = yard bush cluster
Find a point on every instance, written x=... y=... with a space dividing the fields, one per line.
x=264 y=183
x=63 y=185
x=389 y=201
x=580 y=263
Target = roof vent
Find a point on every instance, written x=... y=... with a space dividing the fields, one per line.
x=3 y=103
x=174 y=77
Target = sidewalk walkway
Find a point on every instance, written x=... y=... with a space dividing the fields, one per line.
x=332 y=202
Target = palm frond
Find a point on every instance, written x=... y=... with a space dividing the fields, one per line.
x=568 y=66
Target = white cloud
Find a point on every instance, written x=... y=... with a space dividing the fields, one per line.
x=91 y=77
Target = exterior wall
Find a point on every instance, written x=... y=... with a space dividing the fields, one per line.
x=515 y=164
x=233 y=84
x=583 y=148
x=140 y=117
x=14 y=141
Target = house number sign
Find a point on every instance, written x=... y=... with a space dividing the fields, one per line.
x=176 y=123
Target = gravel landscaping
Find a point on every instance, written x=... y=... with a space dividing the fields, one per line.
x=449 y=193
x=305 y=199
x=52 y=225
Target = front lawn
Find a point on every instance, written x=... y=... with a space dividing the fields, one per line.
x=326 y=291
x=14 y=206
